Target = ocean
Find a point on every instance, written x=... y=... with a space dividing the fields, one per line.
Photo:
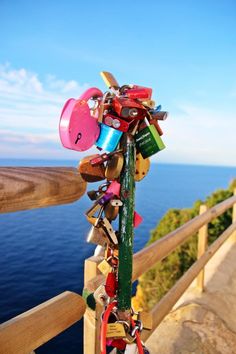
x=42 y=251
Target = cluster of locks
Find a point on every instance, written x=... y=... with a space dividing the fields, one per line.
x=101 y=120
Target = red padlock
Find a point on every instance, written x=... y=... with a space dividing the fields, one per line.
x=138 y=92
x=116 y=122
x=128 y=109
x=111 y=284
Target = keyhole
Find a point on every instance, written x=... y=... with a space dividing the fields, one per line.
x=79 y=136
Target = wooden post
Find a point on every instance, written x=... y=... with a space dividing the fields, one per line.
x=91 y=318
x=232 y=238
x=202 y=245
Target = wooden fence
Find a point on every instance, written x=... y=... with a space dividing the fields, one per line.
x=27 y=188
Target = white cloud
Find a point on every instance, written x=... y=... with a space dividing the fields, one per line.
x=30 y=109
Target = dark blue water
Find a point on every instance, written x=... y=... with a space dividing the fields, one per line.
x=42 y=251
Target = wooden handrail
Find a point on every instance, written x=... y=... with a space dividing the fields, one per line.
x=24 y=188
x=163 y=307
x=35 y=327
x=149 y=256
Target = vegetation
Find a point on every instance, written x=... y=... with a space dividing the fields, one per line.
x=157 y=281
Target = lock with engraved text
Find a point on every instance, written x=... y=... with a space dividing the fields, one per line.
x=78 y=129
x=148 y=141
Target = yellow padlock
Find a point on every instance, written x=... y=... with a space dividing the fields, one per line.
x=142 y=167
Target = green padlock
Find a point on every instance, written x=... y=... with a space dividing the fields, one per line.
x=148 y=141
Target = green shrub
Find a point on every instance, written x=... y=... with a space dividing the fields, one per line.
x=157 y=281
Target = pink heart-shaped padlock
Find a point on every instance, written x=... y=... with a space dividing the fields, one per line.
x=78 y=129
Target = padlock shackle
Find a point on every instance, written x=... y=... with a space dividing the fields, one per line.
x=104 y=326
x=90 y=93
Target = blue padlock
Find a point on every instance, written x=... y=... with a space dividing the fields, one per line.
x=108 y=138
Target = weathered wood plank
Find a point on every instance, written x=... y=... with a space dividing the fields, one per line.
x=28 y=331
x=24 y=188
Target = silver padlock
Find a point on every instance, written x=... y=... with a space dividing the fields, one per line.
x=97 y=235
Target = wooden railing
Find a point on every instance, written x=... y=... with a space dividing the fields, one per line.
x=149 y=256
x=35 y=327
x=27 y=188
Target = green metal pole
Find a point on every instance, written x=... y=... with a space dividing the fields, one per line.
x=126 y=231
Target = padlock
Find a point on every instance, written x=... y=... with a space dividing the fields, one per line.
x=152 y=121
x=158 y=115
x=128 y=109
x=89 y=172
x=108 y=138
x=103 y=200
x=109 y=79
x=78 y=129
x=114 y=166
x=148 y=103
x=138 y=92
x=111 y=212
x=104 y=157
x=97 y=235
x=110 y=233
x=103 y=196
x=111 y=284
x=93 y=195
x=115 y=330
x=148 y=141
x=94 y=208
x=104 y=267
x=142 y=167
x=103 y=107
x=100 y=295
x=116 y=122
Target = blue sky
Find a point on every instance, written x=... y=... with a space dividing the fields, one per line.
x=184 y=50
